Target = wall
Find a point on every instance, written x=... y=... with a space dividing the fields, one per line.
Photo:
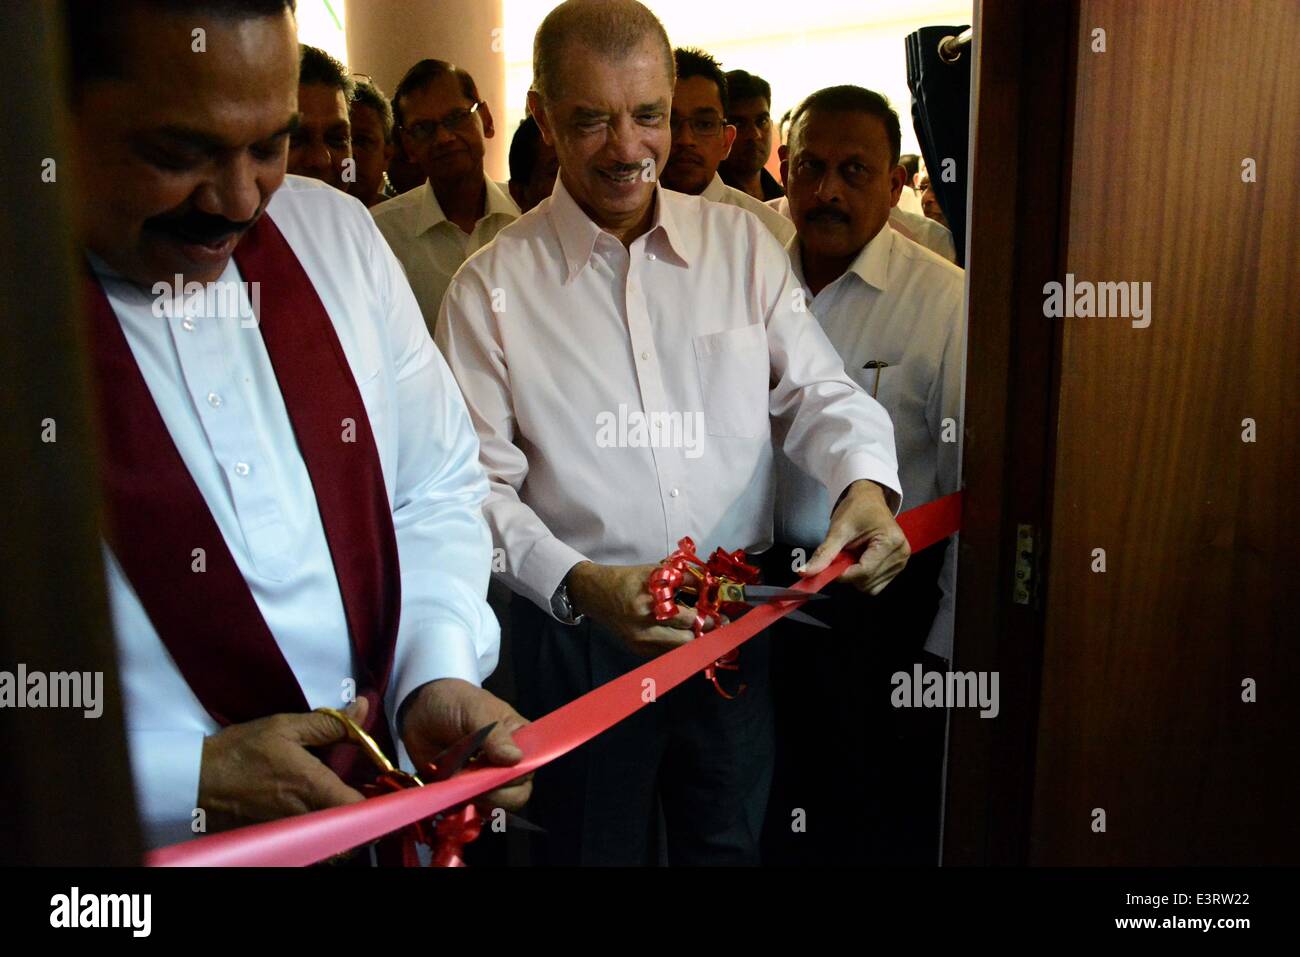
x=386 y=37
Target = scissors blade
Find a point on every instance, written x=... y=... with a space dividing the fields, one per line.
x=514 y=820
x=767 y=593
x=456 y=755
x=805 y=619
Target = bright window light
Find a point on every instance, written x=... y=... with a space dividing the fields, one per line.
x=797 y=47
x=321 y=24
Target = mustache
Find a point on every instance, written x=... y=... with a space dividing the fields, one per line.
x=829 y=214
x=685 y=156
x=194 y=226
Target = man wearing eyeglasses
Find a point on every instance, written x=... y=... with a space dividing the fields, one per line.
x=442 y=123
x=702 y=139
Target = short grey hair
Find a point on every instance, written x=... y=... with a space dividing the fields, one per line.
x=612 y=28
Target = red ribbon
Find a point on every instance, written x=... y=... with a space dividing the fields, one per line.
x=670 y=577
x=308 y=838
x=454 y=831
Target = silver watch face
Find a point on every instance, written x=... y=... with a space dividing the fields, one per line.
x=562 y=608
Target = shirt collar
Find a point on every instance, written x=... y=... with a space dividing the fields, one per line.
x=667 y=236
x=871 y=264
x=497 y=202
x=715 y=190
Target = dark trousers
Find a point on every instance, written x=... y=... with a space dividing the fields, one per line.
x=857 y=781
x=683 y=781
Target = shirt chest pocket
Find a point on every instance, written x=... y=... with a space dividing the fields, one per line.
x=881 y=383
x=735 y=369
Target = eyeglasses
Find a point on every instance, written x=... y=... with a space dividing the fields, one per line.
x=700 y=126
x=426 y=130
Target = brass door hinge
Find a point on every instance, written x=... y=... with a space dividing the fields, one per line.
x=1022 y=588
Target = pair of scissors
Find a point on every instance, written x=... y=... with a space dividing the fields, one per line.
x=738 y=593
x=449 y=762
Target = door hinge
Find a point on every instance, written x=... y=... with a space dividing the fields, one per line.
x=1022 y=588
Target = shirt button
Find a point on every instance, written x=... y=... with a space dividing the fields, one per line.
x=645 y=355
x=187 y=325
x=242 y=468
x=674 y=493
x=650 y=256
x=214 y=400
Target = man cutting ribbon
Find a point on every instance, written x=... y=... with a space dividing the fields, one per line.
x=617 y=293
x=291 y=484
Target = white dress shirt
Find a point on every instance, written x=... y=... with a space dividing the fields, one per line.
x=698 y=317
x=923 y=230
x=214 y=386
x=901 y=304
x=719 y=192
x=920 y=229
x=430 y=246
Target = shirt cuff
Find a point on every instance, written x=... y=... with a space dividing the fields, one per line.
x=864 y=465
x=433 y=650
x=544 y=570
x=165 y=767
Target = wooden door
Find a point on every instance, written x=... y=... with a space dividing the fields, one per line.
x=1176 y=447
x=1165 y=444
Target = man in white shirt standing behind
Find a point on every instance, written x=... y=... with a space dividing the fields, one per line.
x=617 y=301
x=893 y=311
x=291 y=487
x=434 y=228
x=702 y=139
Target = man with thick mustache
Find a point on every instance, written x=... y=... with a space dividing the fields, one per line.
x=893 y=311
x=291 y=484
x=615 y=294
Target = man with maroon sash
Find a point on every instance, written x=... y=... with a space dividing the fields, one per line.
x=292 y=493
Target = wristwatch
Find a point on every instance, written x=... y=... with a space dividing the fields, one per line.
x=562 y=608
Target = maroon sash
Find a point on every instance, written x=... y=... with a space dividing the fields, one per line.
x=156 y=515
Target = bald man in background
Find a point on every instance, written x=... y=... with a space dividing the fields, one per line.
x=615 y=293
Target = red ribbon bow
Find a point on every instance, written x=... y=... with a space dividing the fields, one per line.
x=722 y=568
x=446 y=833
